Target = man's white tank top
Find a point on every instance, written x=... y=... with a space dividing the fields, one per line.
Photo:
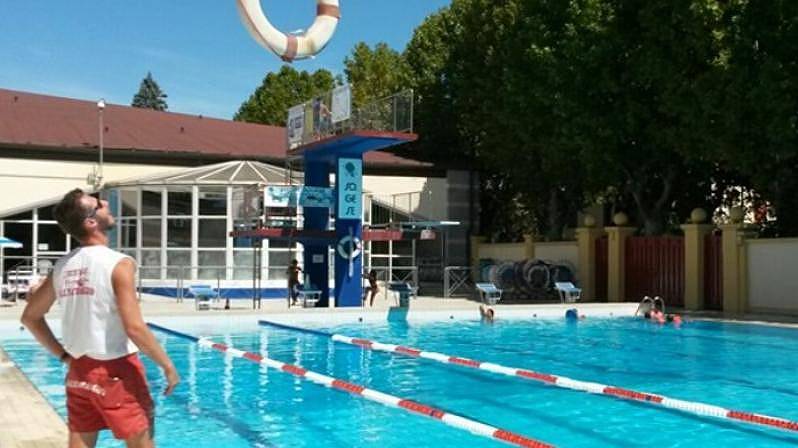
x=91 y=325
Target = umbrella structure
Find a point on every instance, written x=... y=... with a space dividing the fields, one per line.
x=9 y=243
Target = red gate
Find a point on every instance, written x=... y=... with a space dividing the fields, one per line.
x=601 y=269
x=655 y=267
x=713 y=272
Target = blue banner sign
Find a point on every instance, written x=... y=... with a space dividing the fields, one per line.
x=349 y=179
x=292 y=196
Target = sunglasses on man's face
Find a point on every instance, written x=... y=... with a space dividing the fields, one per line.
x=93 y=212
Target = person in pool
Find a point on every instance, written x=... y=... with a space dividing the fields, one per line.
x=660 y=317
x=487 y=314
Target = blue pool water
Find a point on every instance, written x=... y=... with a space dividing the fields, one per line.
x=236 y=403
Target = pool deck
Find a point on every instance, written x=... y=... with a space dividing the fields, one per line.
x=28 y=420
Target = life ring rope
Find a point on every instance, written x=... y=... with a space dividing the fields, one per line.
x=290 y=47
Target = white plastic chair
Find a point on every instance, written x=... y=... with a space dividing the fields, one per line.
x=568 y=292
x=203 y=294
x=489 y=293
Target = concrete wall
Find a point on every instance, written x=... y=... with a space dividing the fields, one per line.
x=36 y=181
x=772 y=279
x=561 y=251
x=503 y=251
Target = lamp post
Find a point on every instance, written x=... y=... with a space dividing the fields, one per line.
x=98 y=180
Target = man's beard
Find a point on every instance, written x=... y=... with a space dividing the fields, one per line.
x=105 y=226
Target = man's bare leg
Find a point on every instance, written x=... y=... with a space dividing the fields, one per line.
x=82 y=439
x=140 y=440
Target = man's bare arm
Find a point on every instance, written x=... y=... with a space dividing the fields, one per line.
x=40 y=299
x=135 y=327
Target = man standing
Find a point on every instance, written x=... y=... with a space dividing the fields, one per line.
x=293 y=281
x=102 y=328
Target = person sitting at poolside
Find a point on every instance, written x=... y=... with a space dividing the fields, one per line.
x=487 y=314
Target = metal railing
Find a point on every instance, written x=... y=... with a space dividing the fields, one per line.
x=393 y=113
x=22 y=275
x=184 y=276
x=457 y=281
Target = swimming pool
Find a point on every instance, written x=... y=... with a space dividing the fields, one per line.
x=232 y=402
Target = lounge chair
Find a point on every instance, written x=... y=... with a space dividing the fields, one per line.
x=489 y=293
x=203 y=295
x=568 y=292
x=309 y=295
x=403 y=291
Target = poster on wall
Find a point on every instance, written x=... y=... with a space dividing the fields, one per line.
x=296 y=124
x=341 y=104
x=350 y=188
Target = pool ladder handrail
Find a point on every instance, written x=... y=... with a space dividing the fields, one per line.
x=653 y=303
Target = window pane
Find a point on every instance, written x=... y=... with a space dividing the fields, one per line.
x=178 y=232
x=51 y=238
x=212 y=232
x=151 y=233
x=127 y=227
x=211 y=265
x=20 y=216
x=21 y=233
x=46 y=213
x=179 y=201
x=242 y=242
x=150 y=264
x=242 y=260
x=129 y=202
x=213 y=201
x=151 y=202
x=280 y=259
x=178 y=262
x=281 y=244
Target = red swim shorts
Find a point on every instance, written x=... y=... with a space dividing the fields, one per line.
x=109 y=394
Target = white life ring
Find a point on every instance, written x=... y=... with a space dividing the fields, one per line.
x=349 y=246
x=289 y=47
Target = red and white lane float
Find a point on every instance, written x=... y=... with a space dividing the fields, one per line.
x=288 y=46
x=691 y=407
x=447 y=418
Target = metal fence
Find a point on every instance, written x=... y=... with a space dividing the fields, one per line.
x=315 y=119
x=457 y=281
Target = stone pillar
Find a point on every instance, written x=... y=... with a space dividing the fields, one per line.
x=694 y=236
x=476 y=242
x=735 y=269
x=529 y=247
x=586 y=240
x=616 y=262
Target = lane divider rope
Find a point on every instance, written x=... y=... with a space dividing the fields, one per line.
x=692 y=407
x=414 y=407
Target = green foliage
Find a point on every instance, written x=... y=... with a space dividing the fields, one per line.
x=150 y=95
x=651 y=106
x=279 y=91
x=376 y=73
x=759 y=96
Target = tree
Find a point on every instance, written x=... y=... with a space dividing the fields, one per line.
x=376 y=73
x=759 y=94
x=279 y=91
x=150 y=95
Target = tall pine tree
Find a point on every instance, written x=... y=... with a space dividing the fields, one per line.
x=150 y=95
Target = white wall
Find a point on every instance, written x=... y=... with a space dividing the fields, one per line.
x=25 y=182
x=772 y=279
x=421 y=196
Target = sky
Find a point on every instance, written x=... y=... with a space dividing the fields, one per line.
x=197 y=50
